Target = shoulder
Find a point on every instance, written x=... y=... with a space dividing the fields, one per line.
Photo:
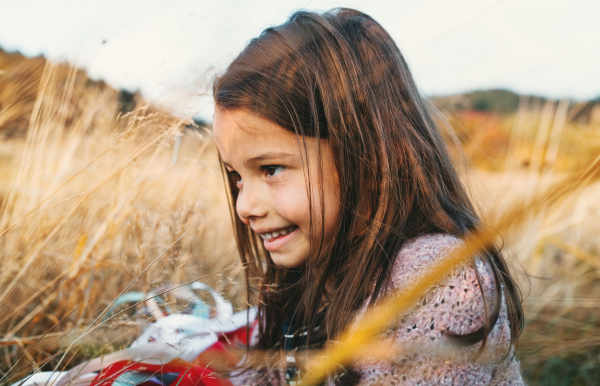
x=455 y=304
x=418 y=253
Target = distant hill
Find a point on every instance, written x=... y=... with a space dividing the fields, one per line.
x=503 y=102
x=20 y=79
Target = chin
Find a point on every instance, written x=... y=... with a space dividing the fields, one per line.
x=286 y=261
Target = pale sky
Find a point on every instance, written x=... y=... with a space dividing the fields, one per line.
x=169 y=49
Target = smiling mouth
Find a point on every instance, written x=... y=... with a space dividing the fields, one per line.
x=282 y=232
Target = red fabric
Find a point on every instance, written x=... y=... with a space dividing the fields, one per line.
x=190 y=374
x=197 y=373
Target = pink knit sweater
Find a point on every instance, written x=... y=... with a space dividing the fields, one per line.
x=423 y=355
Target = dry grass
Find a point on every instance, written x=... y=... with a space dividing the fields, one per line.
x=93 y=204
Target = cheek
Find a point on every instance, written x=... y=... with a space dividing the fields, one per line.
x=293 y=204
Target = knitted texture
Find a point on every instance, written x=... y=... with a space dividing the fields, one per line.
x=422 y=355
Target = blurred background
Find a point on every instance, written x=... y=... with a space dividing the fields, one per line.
x=169 y=49
x=109 y=180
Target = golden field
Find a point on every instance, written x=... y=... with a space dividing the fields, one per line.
x=96 y=202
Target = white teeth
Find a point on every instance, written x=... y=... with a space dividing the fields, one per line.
x=282 y=232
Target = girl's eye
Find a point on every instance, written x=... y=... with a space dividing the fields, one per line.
x=236 y=176
x=273 y=170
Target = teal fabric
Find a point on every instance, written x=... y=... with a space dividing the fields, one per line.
x=134 y=378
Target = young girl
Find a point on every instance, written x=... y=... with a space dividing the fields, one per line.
x=343 y=191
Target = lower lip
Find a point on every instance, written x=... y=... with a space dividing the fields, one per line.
x=278 y=242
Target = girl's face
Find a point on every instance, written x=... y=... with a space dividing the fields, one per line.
x=270 y=164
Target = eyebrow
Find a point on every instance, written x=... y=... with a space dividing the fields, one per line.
x=267 y=156
x=263 y=157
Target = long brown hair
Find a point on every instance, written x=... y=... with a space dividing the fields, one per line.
x=339 y=76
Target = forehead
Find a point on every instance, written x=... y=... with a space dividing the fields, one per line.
x=239 y=133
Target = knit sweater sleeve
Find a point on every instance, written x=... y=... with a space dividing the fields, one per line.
x=423 y=355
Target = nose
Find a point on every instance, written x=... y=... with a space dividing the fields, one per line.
x=250 y=204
